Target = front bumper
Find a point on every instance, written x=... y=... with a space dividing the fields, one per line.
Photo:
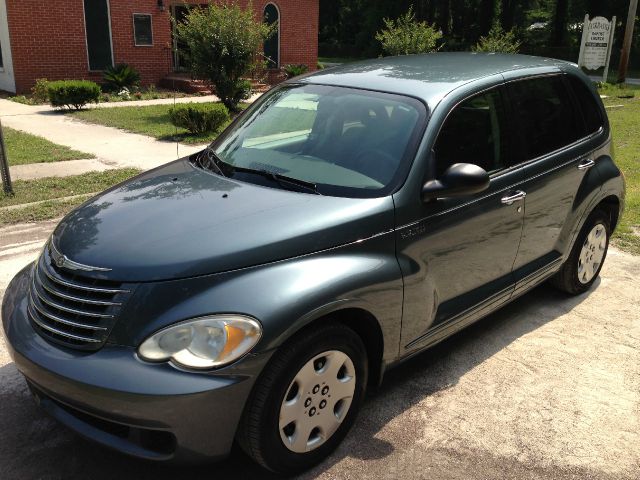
x=149 y=411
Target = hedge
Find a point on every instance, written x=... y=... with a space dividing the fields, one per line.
x=73 y=93
x=199 y=118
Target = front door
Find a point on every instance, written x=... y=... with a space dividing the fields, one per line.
x=180 y=49
x=457 y=257
x=7 y=79
x=179 y=12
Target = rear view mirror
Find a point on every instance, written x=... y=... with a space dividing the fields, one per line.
x=460 y=179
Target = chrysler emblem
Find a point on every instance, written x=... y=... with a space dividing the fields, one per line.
x=62 y=261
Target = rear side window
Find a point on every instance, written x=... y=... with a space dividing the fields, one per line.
x=588 y=105
x=473 y=133
x=545 y=114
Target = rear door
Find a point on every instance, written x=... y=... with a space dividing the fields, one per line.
x=555 y=156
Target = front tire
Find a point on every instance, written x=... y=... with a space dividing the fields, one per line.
x=585 y=261
x=306 y=400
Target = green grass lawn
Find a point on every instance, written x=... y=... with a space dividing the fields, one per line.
x=55 y=192
x=625 y=126
x=152 y=120
x=25 y=148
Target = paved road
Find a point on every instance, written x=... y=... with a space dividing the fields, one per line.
x=547 y=388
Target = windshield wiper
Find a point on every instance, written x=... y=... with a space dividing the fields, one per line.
x=280 y=179
x=213 y=160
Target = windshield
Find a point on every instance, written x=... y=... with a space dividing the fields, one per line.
x=343 y=141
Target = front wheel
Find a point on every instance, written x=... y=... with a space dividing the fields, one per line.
x=306 y=399
x=585 y=261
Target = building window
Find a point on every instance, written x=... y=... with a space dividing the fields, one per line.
x=142 y=29
x=1 y=60
x=98 y=33
x=272 y=44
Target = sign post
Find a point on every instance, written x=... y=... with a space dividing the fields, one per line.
x=596 y=44
x=4 y=166
x=626 y=44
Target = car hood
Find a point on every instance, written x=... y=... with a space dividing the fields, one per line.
x=180 y=221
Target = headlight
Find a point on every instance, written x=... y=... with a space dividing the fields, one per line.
x=205 y=342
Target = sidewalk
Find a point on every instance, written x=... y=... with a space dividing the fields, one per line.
x=112 y=147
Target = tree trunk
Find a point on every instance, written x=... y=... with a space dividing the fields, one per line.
x=559 y=25
x=485 y=16
x=507 y=14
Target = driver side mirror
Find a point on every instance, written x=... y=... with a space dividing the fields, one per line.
x=460 y=179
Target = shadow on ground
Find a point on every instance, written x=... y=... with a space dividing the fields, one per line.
x=33 y=446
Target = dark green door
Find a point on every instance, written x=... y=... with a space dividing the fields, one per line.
x=272 y=44
x=457 y=257
x=98 y=32
x=556 y=155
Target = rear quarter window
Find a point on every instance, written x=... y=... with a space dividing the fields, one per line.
x=588 y=105
x=545 y=115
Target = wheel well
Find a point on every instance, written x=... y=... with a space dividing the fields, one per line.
x=368 y=329
x=611 y=205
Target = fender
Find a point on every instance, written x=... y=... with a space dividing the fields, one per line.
x=284 y=296
x=611 y=183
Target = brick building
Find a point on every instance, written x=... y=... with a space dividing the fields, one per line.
x=77 y=39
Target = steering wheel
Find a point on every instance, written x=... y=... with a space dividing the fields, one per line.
x=375 y=164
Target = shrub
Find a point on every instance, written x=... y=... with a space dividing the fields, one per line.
x=199 y=118
x=73 y=93
x=119 y=77
x=21 y=99
x=405 y=35
x=499 y=41
x=222 y=41
x=293 y=70
x=40 y=91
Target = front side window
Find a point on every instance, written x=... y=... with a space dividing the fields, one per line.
x=347 y=142
x=473 y=133
x=545 y=115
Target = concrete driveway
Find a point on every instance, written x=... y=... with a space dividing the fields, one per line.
x=547 y=388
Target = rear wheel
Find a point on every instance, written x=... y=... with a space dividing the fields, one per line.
x=583 y=266
x=306 y=399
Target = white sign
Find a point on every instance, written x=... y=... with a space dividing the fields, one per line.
x=597 y=40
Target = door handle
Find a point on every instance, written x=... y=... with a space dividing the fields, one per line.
x=586 y=164
x=515 y=197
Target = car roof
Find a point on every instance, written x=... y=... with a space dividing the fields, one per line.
x=428 y=77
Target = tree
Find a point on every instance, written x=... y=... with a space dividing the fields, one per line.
x=222 y=42
x=498 y=41
x=405 y=35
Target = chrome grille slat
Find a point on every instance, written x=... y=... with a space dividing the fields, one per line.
x=77 y=286
x=71 y=297
x=60 y=332
x=65 y=321
x=76 y=310
x=53 y=304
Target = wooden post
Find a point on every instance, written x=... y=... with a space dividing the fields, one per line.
x=4 y=166
x=605 y=75
x=626 y=44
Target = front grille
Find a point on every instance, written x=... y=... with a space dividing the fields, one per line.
x=73 y=310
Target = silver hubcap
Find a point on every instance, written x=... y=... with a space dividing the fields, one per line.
x=592 y=253
x=317 y=401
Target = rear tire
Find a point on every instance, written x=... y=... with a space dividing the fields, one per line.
x=587 y=256
x=330 y=359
